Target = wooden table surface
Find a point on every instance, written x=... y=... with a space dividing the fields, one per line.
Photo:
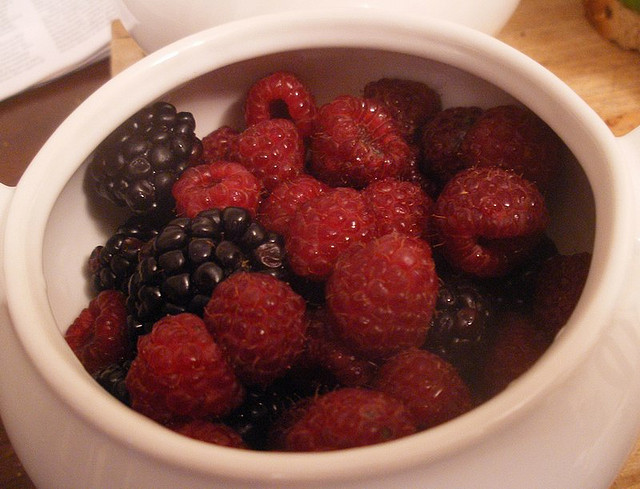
x=553 y=32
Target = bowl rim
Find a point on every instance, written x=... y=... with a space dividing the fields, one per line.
x=438 y=40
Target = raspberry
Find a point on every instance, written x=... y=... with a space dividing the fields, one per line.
x=281 y=95
x=441 y=139
x=323 y=228
x=518 y=344
x=260 y=323
x=112 y=264
x=277 y=210
x=138 y=163
x=461 y=325
x=396 y=285
x=488 y=219
x=558 y=287
x=216 y=185
x=428 y=386
x=355 y=142
x=280 y=426
x=220 y=145
x=398 y=206
x=513 y=137
x=180 y=372
x=99 y=336
x=210 y=432
x=415 y=175
x=365 y=417
x=324 y=351
x=188 y=258
x=273 y=150
x=411 y=103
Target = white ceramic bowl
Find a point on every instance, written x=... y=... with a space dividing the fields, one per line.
x=156 y=23
x=569 y=422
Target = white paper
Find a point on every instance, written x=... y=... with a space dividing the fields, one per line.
x=43 y=39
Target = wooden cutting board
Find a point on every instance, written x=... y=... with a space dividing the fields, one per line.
x=556 y=34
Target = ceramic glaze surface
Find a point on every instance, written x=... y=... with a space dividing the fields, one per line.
x=156 y=23
x=569 y=422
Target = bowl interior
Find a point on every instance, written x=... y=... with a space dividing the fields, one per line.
x=216 y=98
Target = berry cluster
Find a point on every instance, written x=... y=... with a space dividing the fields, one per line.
x=377 y=256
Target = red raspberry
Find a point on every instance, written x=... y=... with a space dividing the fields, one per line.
x=323 y=228
x=216 y=185
x=260 y=322
x=415 y=175
x=325 y=351
x=355 y=142
x=517 y=346
x=220 y=145
x=399 y=206
x=514 y=138
x=558 y=287
x=180 y=372
x=99 y=335
x=210 y=432
x=272 y=150
x=277 y=210
x=346 y=418
x=281 y=95
x=279 y=428
x=411 y=103
x=488 y=220
x=429 y=387
x=441 y=139
x=383 y=294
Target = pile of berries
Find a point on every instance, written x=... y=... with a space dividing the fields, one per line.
x=378 y=256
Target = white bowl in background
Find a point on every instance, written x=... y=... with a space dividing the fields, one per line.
x=156 y=23
x=570 y=421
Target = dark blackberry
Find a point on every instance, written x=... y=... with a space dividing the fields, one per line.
x=183 y=264
x=112 y=379
x=111 y=264
x=137 y=164
x=262 y=406
x=461 y=324
x=516 y=290
x=253 y=419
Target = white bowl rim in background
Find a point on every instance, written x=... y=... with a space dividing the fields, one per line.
x=156 y=23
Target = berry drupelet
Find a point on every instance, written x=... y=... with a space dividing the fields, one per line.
x=112 y=379
x=190 y=256
x=112 y=264
x=137 y=164
x=254 y=419
x=461 y=324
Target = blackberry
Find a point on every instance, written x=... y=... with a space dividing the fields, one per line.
x=263 y=406
x=461 y=324
x=516 y=290
x=253 y=419
x=112 y=379
x=183 y=264
x=137 y=164
x=111 y=264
